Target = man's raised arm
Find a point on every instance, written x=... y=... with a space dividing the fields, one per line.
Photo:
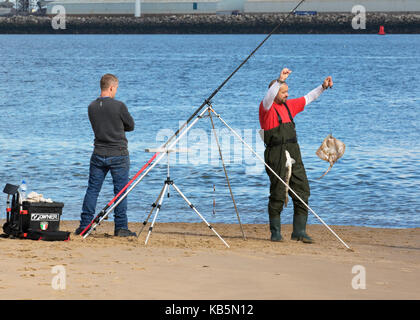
x=274 y=88
x=314 y=94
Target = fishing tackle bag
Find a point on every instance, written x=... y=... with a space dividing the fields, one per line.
x=32 y=220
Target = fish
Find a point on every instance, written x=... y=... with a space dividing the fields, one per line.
x=330 y=150
x=289 y=162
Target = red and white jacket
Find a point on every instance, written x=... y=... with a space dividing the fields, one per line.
x=267 y=112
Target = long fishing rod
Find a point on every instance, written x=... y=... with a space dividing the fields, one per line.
x=207 y=101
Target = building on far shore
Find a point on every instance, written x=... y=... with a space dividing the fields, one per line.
x=171 y=7
x=230 y=6
x=6 y=7
x=127 y=7
x=270 y=6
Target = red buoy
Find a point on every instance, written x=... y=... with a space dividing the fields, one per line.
x=381 y=30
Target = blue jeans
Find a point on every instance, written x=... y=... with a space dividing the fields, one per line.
x=99 y=167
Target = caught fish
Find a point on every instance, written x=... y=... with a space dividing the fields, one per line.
x=289 y=162
x=330 y=150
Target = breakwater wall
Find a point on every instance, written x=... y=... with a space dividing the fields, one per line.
x=212 y=24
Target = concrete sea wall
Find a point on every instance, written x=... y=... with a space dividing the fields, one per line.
x=213 y=24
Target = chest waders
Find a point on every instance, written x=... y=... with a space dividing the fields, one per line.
x=277 y=141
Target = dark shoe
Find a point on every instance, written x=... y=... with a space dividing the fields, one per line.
x=276 y=238
x=305 y=238
x=79 y=230
x=124 y=233
x=275 y=228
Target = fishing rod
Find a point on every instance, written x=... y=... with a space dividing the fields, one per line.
x=112 y=204
x=207 y=101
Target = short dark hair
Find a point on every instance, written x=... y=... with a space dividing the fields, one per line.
x=107 y=80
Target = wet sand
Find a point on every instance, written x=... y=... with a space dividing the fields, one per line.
x=188 y=261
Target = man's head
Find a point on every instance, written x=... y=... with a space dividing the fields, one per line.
x=283 y=93
x=109 y=85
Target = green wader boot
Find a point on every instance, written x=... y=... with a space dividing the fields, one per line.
x=275 y=228
x=300 y=211
x=274 y=210
x=299 y=228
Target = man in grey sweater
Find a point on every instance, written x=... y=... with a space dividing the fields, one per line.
x=110 y=120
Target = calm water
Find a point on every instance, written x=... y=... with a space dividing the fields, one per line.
x=47 y=82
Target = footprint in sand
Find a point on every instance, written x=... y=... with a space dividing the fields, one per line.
x=44 y=284
x=27 y=275
x=138 y=268
x=27 y=269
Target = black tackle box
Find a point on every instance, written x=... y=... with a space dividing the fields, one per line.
x=43 y=216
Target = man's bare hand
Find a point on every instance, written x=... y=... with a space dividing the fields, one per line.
x=284 y=74
x=328 y=83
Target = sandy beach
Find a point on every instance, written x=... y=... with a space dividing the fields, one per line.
x=188 y=261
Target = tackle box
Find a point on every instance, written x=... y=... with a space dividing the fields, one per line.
x=41 y=215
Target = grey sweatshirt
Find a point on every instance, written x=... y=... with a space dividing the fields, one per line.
x=110 y=120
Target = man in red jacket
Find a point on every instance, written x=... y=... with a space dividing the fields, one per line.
x=276 y=115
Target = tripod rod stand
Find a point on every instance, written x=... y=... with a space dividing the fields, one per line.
x=210 y=109
x=158 y=204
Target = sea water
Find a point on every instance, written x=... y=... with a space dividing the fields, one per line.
x=47 y=82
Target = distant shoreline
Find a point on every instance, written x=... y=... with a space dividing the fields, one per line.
x=324 y=23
